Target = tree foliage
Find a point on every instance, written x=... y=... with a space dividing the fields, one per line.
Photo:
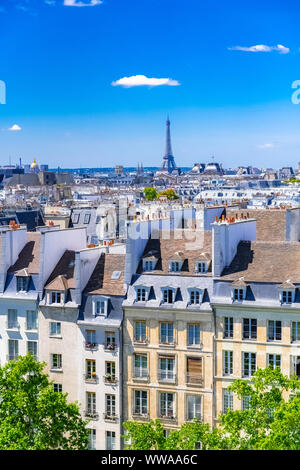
x=32 y=415
x=271 y=422
x=150 y=194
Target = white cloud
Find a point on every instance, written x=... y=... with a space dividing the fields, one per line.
x=142 y=80
x=15 y=127
x=265 y=146
x=262 y=48
x=78 y=3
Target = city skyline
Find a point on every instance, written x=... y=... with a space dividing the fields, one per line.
x=98 y=85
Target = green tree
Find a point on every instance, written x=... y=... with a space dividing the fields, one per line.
x=150 y=194
x=269 y=423
x=169 y=193
x=32 y=415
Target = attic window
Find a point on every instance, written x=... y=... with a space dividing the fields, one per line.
x=148 y=265
x=175 y=266
x=201 y=267
x=56 y=297
x=22 y=283
x=100 y=306
x=116 y=275
x=287 y=296
x=238 y=294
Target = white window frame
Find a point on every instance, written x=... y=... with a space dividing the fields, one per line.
x=58 y=360
x=103 y=303
x=140 y=402
x=227 y=362
x=196 y=406
x=148 y=264
x=227 y=401
x=141 y=293
x=250 y=370
x=195 y=294
x=274 y=359
x=296 y=328
x=239 y=292
x=56 y=333
x=22 y=283
x=275 y=329
x=54 y=293
x=175 y=266
x=166 y=289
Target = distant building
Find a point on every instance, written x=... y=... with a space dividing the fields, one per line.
x=168 y=164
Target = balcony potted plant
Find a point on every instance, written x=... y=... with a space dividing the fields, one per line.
x=110 y=346
x=108 y=377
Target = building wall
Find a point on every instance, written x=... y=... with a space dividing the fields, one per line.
x=180 y=351
x=261 y=346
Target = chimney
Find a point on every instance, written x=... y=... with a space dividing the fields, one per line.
x=226 y=237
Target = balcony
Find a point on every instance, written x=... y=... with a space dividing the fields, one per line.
x=110 y=379
x=139 y=415
x=90 y=346
x=12 y=325
x=110 y=347
x=169 y=417
x=112 y=418
x=91 y=414
x=194 y=379
x=140 y=374
x=167 y=376
x=166 y=344
x=140 y=341
x=91 y=378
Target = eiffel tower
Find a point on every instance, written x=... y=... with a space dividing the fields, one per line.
x=168 y=163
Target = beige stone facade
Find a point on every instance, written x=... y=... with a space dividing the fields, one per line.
x=180 y=382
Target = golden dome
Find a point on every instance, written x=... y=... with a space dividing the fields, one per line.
x=34 y=164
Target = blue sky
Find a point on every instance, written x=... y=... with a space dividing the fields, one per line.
x=62 y=61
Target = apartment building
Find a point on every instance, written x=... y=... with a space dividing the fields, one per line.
x=168 y=332
x=99 y=324
x=256 y=305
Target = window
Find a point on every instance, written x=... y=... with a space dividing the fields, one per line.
x=56 y=361
x=227 y=362
x=22 y=283
x=141 y=294
x=110 y=406
x=75 y=218
x=86 y=219
x=110 y=340
x=56 y=297
x=200 y=267
x=287 y=296
x=239 y=294
x=274 y=360
x=148 y=265
x=57 y=387
x=166 y=370
x=90 y=369
x=228 y=327
x=166 y=333
x=193 y=335
x=249 y=328
x=246 y=399
x=13 y=349
x=194 y=370
x=140 y=406
x=31 y=320
x=100 y=306
x=195 y=296
x=175 y=266
x=91 y=404
x=249 y=364
x=227 y=401
x=110 y=440
x=168 y=295
x=92 y=439
x=90 y=339
x=12 y=319
x=295 y=366
x=166 y=405
x=140 y=331
x=140 y=366
x=274 y=330
x=55 y=328
x=110 y=371
x=295 y=332
x=32 y=349
x=193 y=407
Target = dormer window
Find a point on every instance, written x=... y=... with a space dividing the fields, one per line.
x=100 y=306
x=168 y=295
x=287 y=292
x=56 y=297
x=239 y=294
x=201 y=267
x=148 y=265
x=22 y=283
x=287 y=296
x=175 y=266
x=195 y=296
x=141 y=294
